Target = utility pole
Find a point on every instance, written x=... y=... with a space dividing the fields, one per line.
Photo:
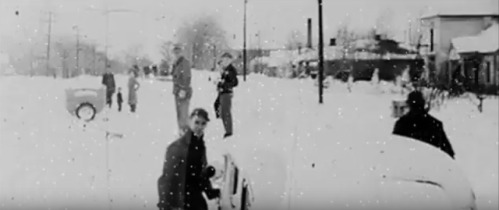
x=193 y=55
x=214 y=57
x=107 y=40
x=259 y=41
x=106 y=12
x=77 y=29
x=321 y=56
x=244 y=42
x=49 y=34
x=94 y=60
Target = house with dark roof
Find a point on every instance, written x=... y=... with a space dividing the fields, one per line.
x=438 y=31
x=475 y=59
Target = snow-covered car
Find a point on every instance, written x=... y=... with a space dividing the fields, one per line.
x=234 y=183
x=85 y=103
x=419 y=164
x=389 y=172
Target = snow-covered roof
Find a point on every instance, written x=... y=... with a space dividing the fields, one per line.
x=485 y=42
x=463 y=10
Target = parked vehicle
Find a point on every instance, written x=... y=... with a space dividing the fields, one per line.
x=85 y=103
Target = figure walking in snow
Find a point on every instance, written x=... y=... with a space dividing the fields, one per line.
x=420 y=125
x=225 y=86
x=119 y=99
x=185 y=170
x=108 y=81
x=182 y=89
x=133 y=86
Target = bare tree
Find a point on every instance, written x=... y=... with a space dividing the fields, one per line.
x=166 y=51
x=296 y=40
x=132 y=54
x=63 y=51
x=202 y=36
x=345 y=37
x=91 y=60
x=415 y=29
x=384 y=22
x=166 y=57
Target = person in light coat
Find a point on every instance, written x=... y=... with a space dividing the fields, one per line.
x=133 y=86
x=182 y=90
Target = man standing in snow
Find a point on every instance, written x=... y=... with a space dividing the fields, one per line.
x=225 y=86
x=182 y=90
x=108 y=81
x=420 y=125
x=185 y=170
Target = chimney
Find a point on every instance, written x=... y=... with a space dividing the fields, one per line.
x=332 y=42
x=309 y=33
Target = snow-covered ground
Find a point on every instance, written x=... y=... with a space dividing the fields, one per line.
x=297 y=152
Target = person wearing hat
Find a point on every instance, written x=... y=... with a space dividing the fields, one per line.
x=109 y=82
x=133 y=87
x=182 y=90
x=185 y=170
x=420 y=125
x=223 y=103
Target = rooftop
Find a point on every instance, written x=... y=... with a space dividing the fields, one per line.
x=463 y=11
x=485 y=42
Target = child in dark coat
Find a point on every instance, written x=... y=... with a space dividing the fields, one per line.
x=120 y=99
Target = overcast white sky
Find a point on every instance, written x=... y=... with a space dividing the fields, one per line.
x=155 y=20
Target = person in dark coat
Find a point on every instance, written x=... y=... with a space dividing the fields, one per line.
x=108 y=81
x=119 y=99
x=185 y=170
x=420 y=125
x=223 y=103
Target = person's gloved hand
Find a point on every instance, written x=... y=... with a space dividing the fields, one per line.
x=213 y=193
x=182 y=94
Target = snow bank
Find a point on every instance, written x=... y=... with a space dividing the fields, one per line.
x=332 y=155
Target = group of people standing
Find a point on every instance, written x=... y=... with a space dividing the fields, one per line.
x=182 y=90
x=185 y=174
x=133 y=87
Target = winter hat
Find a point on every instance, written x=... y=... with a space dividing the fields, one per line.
x=415 y=100
x=227 y=55
x=200 y=112
x=178 y=46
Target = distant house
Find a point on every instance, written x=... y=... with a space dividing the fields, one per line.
x=439 y=30
x=478 y=59
x=250 y=55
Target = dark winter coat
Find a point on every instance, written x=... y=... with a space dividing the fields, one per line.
x=120 y=98
x=181 y=74
x=183 y=180
x=422 y=126
x=133 y=86
x=108 y=81
x=228 y=80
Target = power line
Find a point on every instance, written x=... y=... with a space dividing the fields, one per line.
x=49 y=34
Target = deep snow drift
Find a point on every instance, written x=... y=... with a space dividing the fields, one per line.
x=298 y=153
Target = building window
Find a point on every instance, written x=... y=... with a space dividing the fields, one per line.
x=488 y=71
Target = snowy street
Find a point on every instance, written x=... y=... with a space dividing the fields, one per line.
x=297 y=153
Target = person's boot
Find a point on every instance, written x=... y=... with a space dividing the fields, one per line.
x=227 y=135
